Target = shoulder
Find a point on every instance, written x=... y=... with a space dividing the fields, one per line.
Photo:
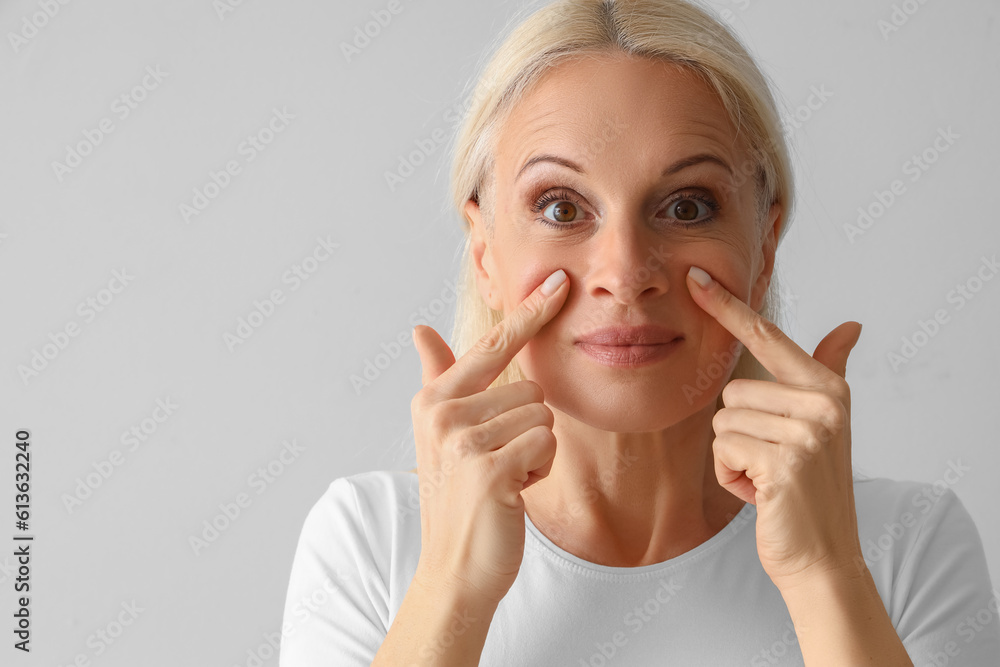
x=366 y=503
x=895 y=515
x=363 y=533
x=355 y=555
x=900 y=519
x=927 y=559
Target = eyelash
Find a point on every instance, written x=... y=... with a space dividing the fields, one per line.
x=566 y=195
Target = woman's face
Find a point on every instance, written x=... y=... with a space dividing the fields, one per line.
x=625 y=227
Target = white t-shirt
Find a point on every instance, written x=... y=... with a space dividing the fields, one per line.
x=713 y=605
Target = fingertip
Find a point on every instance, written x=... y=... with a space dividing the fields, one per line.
x=553 y=282
x=700 y=276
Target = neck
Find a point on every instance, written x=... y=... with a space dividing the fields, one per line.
x=631 y=499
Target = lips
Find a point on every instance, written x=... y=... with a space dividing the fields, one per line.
x=616 y=336
x=629 y=347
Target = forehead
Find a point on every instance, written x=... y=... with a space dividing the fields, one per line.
x=613 y=106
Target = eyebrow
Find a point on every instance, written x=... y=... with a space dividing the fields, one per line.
x=680 y=165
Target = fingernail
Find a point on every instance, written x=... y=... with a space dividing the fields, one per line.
x=700 y=276
x=553 y=282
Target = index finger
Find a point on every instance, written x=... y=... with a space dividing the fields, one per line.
x=786 y=361
x=476 y=370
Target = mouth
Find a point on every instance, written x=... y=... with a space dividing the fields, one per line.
x=628 y=355
x=629 y=346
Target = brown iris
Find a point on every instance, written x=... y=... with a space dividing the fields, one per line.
x=686 y=210
x=564 y=208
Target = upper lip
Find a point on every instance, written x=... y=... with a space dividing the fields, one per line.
x=647 y=334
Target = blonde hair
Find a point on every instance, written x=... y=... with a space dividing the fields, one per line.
x=675 y=31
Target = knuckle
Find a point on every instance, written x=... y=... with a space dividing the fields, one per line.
x=543 y=436
x=530 y=391
x=495 y=340
x=793 y=459
x=827 y=404
x=814 y=436
x=734 y=389
x=841 y=390
x=767 y=489
x=542 y=413
x=832 y=410
x=719 y=420
x=763 y=329
x=464 y=445
x=530 y=309
x=422 y=400
x=479 y=435
x=448 y=412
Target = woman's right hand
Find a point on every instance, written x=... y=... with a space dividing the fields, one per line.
x=478 y=447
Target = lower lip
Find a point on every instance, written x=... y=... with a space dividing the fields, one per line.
x=628 y=356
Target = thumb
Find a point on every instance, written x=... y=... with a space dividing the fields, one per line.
x=833 y=350
x=435 y=355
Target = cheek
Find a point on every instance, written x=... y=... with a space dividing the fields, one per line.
x=727 y=265
x=523 y=277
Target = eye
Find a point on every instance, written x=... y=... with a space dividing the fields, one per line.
x=559 y=209
x=562 y=211
x=685 y=209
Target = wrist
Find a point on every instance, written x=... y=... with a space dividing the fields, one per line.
x=451 y=591
x=840 y=618
x=826 y=578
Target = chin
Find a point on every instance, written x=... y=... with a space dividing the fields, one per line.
x=625 y=412
x=629 y=407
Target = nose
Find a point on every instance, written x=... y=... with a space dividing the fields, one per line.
x=627 y=261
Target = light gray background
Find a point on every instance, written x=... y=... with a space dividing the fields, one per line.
x=324 y=176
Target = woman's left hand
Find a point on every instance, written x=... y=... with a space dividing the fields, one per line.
x=785 y=446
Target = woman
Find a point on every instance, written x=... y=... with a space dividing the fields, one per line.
x=628 y=463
